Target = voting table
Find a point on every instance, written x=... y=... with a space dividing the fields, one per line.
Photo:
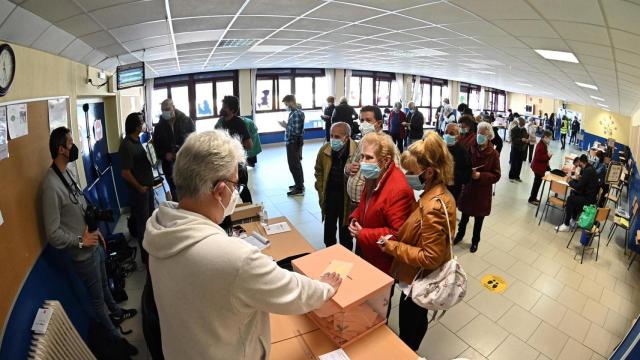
x=296 y=337
x=549 y=177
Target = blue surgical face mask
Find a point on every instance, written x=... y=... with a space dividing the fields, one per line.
x=166 y=115
x=464 y=131
x=415 y=182
x=336 y=144
x=449 y=139
x=369 y=170
x=481 y=139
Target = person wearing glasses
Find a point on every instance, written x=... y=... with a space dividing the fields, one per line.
x=63 y=206
x=214 y=292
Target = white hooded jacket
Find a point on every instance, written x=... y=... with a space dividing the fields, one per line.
x=214 y=293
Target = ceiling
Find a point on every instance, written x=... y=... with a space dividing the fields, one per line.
x=488 y=42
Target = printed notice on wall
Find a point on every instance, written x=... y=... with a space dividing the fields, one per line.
x=4 y=140
x=58 y=114
x=17 y=120
x=1 y=218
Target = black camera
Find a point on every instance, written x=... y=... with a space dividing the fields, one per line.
x=93 y=215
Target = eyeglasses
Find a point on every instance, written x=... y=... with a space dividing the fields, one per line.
x=236 y=185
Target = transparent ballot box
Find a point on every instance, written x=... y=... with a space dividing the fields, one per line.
x=360 y=305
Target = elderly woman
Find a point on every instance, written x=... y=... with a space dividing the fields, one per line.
x=396 y=129
x=214 y=292
x=468 y=128
x=461 y=160
x=424 y=240
x=386 y=200
x=475 y=199
x=540 y=165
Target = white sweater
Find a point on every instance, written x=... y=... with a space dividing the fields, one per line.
x=214 y=293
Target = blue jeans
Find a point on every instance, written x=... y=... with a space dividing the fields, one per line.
x=93 y=274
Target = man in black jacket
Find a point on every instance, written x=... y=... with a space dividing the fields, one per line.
x=168 y=136
x=345 y=113
x=585 y=192
x=519 y=144
x=326 y=116
x=461 y=160
x=415 y=120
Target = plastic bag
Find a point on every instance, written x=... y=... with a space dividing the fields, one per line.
x=587 y=217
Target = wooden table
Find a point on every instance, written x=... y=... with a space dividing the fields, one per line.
x=296 y=337
x=548 y=177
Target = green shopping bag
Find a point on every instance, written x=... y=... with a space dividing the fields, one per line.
x=587 y=217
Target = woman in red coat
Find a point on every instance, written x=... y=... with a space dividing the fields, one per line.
x=468 y=128
x=540 y=165
x=476 y=196
x=386 y=202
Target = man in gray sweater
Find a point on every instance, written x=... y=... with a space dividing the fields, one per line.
x=63 y=206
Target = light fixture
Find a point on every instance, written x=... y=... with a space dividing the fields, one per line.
x=487 y=72
x=588 y=86
x=523 y=84
x=558 y=55
x=603 y=105
x=596 y=98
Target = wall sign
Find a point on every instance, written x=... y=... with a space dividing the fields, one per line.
x=17 y=120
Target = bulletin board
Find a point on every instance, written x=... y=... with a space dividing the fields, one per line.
x=22 y=234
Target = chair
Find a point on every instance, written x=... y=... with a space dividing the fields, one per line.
x=615 y=190
x=625 y=223
x=635 y=247
x=599 y=224
x=557 y=201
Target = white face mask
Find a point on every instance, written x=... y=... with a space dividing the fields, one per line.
x=228 y=210
x=366 y=128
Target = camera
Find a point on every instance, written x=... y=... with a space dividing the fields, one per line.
x=93 y=215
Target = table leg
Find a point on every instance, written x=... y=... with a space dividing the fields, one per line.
x=544 y=183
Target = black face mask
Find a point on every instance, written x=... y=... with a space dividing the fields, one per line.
x=73 y=153
x=223 y=113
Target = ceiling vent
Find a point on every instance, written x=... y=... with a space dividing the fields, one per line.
x=236 y=43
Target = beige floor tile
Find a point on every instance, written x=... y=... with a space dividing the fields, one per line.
x=523 y=295
x=500 y=259
x=542 y=357
x=524 y=254
x=474 y=265
x=616 y=323
x=591 y=288
x=613 y=344
x=574 y=325
x=610 y=300
x=572 y=299
x=471 y=354
x=547 y=265
x=524 y=272
x=565 y=257
x=569 y=277
x=546 y=249
x=549 y=310
x=514 y=348
x=491 y=304
x=502 y=242
x=519 y=322
x=575 y=351
x=598 y=340
x=587 y=270
x=548 y=286
x=597 y=356
x=482 y=334
x=607 y=281
x=595 y=312
x=440 y=343
x=628 y=308
x=548 y=340
x=458 y=316
x=473 y=288
x=623 y=289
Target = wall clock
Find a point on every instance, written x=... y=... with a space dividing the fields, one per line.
x=7 y=68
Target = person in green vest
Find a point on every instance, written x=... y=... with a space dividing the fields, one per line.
x=252 y=155
x=563 y=131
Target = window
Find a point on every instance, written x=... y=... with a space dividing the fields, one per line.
x=367 y=92
x=497 y=100
x=204 y=100
x=264 y=94
x=395 y=93
x=223 y=88
x=383 y=93
x=180 y=97
x=304 y=98
x=432 y=93
x=157 y=97
x=372 y=88
x=321 y=90
x=354 y=91
x=471 y=94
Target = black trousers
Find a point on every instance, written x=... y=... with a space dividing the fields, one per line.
x=477 y=227
x=563 y=140
x=327 y=129
x=572 y=139
x=574 y=206
x=167 y=170
x=455 y=190
x=413 y=322
x=252 y=160
x=294 y=158
x=399 y=141
x=517 y=157
x=531 y=148
x=334 y=218
x=243 y=178
x=142 y=205
x=537 y=181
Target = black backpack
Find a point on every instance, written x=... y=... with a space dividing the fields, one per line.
x=120 y=262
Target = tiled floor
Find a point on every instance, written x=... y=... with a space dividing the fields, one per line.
x=554 y=307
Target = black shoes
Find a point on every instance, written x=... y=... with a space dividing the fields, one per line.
x=474 y=248
x=534 y=202
x=457 y=240
x=296 y=192
x=126 y=346
x=124 y=315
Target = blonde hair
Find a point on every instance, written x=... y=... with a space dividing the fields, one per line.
x=383 y=145
x=431 y=152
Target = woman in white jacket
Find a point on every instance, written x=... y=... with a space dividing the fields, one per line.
x=214 y=293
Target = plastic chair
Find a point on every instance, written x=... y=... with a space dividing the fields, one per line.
x=557 y=201
x=624 y=223
x=599 y=224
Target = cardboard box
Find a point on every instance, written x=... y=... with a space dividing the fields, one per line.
x=359 y=306
x=246 y=212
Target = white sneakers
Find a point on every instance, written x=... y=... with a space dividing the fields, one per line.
x=563 y=228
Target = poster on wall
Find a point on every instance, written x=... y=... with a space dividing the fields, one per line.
x=17 y=120
x=4 y=140
x=58 y=114
x=614 y=173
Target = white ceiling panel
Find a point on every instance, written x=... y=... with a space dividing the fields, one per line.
x=579 y=47
x=189 y=8
x=315 y=24
x=201 y=23
x=79 y=25
x=52 y=10
x=582 y=32
x=622 y=15
x=281 y=7
x=148 y=43
x=197 y=36
x=501 y=41
x=545 y=43
x=23 y=27
x=90 y=5
x=53 y=40
x=113 y=50
x=6 y=8
x=131 y=13
x=98 y=39
x=298 y=35
x=476 y=28
x=261 y=22
x=141 y=30
x=395 y=22
x=77 y=50
x=360 y=30
x=338 y=11
x=440 y=13
x=538 y=28
x=109 y=64
x=196 y=45
x=498 y=9
x=398 y=37
x=391 y=5
x=580 y=11
x=94 y=57
x=624 y=40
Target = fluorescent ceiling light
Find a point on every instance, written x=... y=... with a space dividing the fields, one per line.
x=588 y=86
x=267 y=48
x=558 y=55
x=523 y=84
x=597 y=98
x=487 y=72
x=603 y=105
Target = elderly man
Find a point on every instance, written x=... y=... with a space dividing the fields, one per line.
x=461 y=160
x=344 y=113
x=168 y=136
x=331 y=184
x=519 y=145
x=214 y=292
x=415 y=121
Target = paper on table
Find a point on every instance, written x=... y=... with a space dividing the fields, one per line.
x=277 y=228
x=335 y=355
x=341 y=268
x=255 y=242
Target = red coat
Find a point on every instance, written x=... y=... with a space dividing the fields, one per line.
x=540 y=162
x=468 y=140
x=476 y=196
x=387 y=209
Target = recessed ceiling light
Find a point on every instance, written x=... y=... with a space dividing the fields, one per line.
x=603 y=105
x=558 y=55
x=487 y=72
x=523 y=84
x=596 y=98
x=588 y=86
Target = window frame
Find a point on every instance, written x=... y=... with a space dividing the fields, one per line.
x=494 y=98
x=466 y=88
x=376 y=77
x=275 y=75
x=430 y=83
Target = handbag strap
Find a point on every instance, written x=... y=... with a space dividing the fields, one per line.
x=446 y=214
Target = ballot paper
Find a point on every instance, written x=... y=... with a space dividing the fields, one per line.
x=256 y=240
x=335 y=355
x=277 y=228
x=341 y=268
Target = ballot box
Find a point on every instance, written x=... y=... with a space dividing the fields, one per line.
x=360 y=305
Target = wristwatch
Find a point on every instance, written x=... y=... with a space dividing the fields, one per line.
x=80 y=243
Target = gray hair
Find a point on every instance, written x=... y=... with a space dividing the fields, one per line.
x=398 y=105
x=204 y=160
x=347 y=128
x=488 y=130
x=343 y=100
x=451 y=125
x=166 y=103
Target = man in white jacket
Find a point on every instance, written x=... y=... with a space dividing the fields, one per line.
x=214 y=293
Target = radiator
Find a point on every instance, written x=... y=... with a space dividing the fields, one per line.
x=60 y=339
